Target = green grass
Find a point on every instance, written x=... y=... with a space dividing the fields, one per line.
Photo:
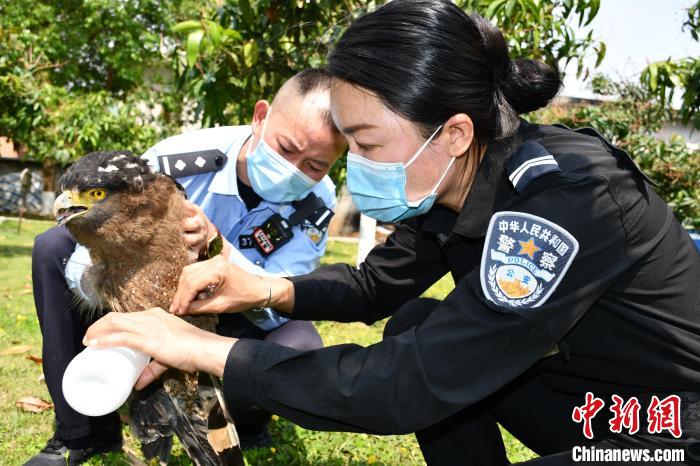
x=22 y=434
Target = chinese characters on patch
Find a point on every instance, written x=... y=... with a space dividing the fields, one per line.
x=524 y=260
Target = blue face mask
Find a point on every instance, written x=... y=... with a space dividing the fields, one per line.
x=379 y=188
x=273 y=177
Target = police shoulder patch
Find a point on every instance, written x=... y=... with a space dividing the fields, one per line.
x=524 y=259
x=314 y=233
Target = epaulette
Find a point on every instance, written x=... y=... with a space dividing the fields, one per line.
x=192 y=163
x=528 y=163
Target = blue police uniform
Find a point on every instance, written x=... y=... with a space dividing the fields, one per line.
x=216 y=192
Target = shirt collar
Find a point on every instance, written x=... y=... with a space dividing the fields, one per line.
x=225 y=181
x=489 y=184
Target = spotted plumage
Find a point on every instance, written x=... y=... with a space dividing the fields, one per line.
x=130 y=219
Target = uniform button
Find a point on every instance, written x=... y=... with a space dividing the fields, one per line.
x=258 y=263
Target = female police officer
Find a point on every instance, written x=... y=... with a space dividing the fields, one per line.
x=572 y=275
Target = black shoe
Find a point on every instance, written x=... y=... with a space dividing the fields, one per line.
x=261 y=440
x=56 y=453
x=77 y=457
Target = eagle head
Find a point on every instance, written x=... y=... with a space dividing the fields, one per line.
x=88 y=185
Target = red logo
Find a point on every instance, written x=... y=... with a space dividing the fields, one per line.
x=665 y=415
x=587 y=412
x=662 y=415
x=263 y=240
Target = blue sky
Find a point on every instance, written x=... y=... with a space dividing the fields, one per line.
x=636 y=32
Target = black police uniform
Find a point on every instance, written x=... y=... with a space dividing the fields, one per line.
x=613 y=309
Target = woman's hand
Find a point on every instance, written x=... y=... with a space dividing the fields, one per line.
x=168 y=339
x=216 y=285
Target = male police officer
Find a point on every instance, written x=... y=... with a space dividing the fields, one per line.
x=265 y=189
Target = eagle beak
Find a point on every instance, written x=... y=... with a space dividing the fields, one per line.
x=67 y=206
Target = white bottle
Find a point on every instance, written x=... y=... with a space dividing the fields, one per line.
x=98 y=381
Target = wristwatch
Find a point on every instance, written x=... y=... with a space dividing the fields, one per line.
x=214 y=247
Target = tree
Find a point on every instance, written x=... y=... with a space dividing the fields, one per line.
x=665 y=78
x=78 y=75
x=544 y=29
x=246 y=49
x=630 y=122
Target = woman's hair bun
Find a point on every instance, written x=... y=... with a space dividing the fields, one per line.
x=428 y=60
x=530 y=84
x=525 y=84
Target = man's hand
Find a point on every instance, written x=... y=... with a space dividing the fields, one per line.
x=216 y=285
x=198 y=229
x=168 y=339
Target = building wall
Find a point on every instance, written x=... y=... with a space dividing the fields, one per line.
x=36 y=201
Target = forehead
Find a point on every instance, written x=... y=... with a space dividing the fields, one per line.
x=307 y=120
x=298 y=113
x=352 y=106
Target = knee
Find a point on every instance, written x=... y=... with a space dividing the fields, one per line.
x=411 y=314
x=297 y=334
x=308 y=337
x=54 y=243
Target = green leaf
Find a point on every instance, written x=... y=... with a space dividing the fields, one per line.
x=593 y=11
x=186 y=27
x=250 y=53
x=653 y=76
x=510 y=7
x=232 y=34
x=215 y=32
x=601 y=54
x=493 y=8
x=193 y=42
x=579 y=68
x=247 y=12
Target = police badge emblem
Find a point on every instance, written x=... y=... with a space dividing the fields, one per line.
x=315 y=234
x=524 y=259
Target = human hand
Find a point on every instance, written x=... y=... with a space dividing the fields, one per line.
x=168 y=339
x=198 y=229
x=215 y=286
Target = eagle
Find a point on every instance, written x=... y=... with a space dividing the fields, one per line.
x=131 y=221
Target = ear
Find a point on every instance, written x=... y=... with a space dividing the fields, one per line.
x=260 y=111
x=460 y=132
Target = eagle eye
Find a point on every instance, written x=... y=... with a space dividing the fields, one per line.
x=97 y=194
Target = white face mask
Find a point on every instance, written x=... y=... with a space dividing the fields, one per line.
x=273 y=177
x=379 y=188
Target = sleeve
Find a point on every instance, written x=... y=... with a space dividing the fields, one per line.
x=76 y=266
x=393 y=273
x=469 y=346
x=151 y=156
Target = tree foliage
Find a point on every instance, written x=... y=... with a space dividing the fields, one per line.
x=74 y=75
x=247 y=48
x=630 y=122
x=545 y=29
x=665 y=78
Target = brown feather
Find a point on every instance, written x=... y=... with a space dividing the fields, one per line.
x=137 y=249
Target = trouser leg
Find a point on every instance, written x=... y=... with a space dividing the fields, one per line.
x=534 y=413
x=252 y=420
x=62 y=329
x=444 y=442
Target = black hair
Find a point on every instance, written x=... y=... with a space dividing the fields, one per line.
x=428 y=60
x=311 y=79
